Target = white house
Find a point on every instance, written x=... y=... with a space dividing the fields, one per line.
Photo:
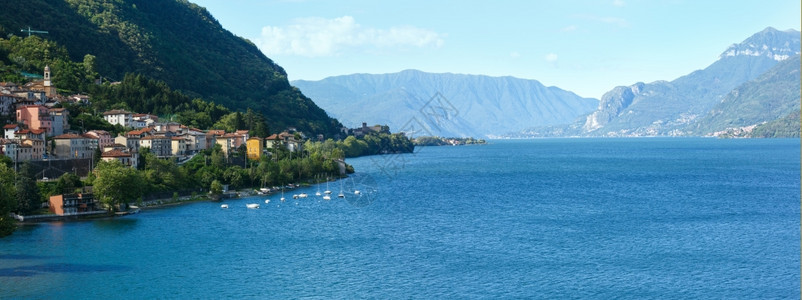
x=121 y=117
x=9 y=130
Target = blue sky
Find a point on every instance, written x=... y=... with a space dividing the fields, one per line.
x=584 y=46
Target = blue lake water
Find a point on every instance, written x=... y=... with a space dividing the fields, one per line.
x=551 y=218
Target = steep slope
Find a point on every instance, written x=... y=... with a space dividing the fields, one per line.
x=773 y=95
x=174 y=41
x=472 y=105
x=667 y=108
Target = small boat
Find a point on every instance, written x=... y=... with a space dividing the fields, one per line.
x=327 y=197
x=303 y=195
x=318 y=187
x=267 y=201
x=252 y=205
x=295 y=196
x=282 y=195
x=341 y=195
x=357 y=192
x=327 y=192
x=224 y=206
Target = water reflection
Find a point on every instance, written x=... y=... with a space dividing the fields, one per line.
x=24 y=256
x=28 y=271
x=116 y=224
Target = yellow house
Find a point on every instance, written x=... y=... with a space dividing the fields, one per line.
x=255 y=146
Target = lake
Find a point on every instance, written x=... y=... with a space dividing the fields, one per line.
x=661 y=218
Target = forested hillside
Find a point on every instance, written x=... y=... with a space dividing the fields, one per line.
x=173 y=41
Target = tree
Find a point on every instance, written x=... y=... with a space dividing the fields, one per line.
x=89 y=67
x=5 y=160
x=97 y=155
x=216 y=187
x=236 y=176
x=7 y=200
x=28 y=197
x=117 y=184
x=67 y=183
x=218 y=158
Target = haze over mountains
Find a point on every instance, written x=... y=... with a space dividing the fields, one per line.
x=506 y=106
x=670 y=107
x=478 y=106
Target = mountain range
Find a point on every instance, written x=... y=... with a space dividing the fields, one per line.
x=668 y=108
x=468 y=105
x=752 y=82
x=773 y=95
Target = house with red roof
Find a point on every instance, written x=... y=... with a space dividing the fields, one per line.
x=71 y=145
x=35 y=117
x=124 y=157
x=9 y=130
x=33 y=134
x=104 y=137
x=159 y=145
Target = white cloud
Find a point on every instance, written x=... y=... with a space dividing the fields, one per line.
x=515 y=54
x=619 y=3
x=315 y=37
x=551 y=57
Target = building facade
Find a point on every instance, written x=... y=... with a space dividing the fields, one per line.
x=255 y=147
x=120 y=117
x=74 y=146
x=68 y=204
x=35 y=117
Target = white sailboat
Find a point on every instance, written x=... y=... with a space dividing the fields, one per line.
x=282 y=194
x=267 y=201
x=327 y=192
x=356 y=191
x=252 y=205
x=224 y=206
x=341 y=194
x=318 y=189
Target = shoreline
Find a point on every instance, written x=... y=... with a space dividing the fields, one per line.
x=134 y=208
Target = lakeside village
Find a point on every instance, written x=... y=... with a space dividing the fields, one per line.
x=80 y=172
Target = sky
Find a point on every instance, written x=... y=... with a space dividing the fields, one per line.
x=584 y=46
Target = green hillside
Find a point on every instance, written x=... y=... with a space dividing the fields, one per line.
x=173 y=41
x=772 y=96
x=787 y=127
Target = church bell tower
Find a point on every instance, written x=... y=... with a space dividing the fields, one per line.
x=50 y=90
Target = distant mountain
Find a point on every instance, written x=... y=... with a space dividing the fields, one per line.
x=668 y=108
x=773 y=95
x=468 y=105
x=174 y=41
